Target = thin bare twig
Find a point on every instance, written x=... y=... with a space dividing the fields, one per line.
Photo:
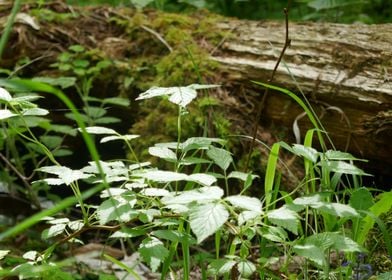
x=266 y=91
x=160 y=38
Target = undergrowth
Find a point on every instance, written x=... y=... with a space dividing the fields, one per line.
x=179 y=214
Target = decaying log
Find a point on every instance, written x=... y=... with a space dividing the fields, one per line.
x=345 y=71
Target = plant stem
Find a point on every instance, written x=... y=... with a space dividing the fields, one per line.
x=8 y=27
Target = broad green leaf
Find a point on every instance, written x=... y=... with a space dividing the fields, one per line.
x=126 y=137
x=193 y=160
x=6 y=114
x=100 y=130
x=345 y=168
x=275 y=234
x=163 y=152
x=51 y=141
x=202 y=179
x=311 y=200
x=107 y=120
x=154 y=192
x=117 y=209
x=246 y=216
x=128 y=233
x=241 y=175
x=35 y=112
x=5 y=95
x=337 y=209
x=338 y=155
x=63 y=82
x=201 y=195
x=361 y=199
x=306 y=152
x=206 y=219
x=65 y=174
x=312 y=253
x=332 y=240
x=174 y=236
x=119 y=101
x=75 y=225
x=245 y=202
x=66 y=129
x=153 y=252
x=221 y=157
x=181 y=96
x=164 y=176
x=94 y=111
x=383 y=205
x=195 y=143
x=246 y=268
x=53 y=231
x=77 y=48
x=221 y=266
x=285 y=218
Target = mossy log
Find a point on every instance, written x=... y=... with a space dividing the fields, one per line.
x=343 y=70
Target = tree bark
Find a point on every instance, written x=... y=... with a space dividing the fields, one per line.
x=343 y=70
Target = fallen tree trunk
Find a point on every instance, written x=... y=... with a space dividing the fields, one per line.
x=343 y=70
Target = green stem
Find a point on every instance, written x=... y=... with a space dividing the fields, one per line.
x=8 y=27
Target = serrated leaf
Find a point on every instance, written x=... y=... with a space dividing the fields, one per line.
x=107 y=120
x=153 y=252
x=100 y=130
x=202 y=195
x=246 y=268
x=194 y=143
x=126 y=137
x=65 y=174
x=206 y=219
x=245 y=202
x=181 y=96
x=285 y=218
x=163 y=152
x=53 y=231
x=275 y=234
x=221 y=157
x=221 y=266
x=247 y=215
x=164 y=176
x=117 y=209
x=154 y=192
x=5 y=114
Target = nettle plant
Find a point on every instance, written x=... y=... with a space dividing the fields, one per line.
x=188 y=217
